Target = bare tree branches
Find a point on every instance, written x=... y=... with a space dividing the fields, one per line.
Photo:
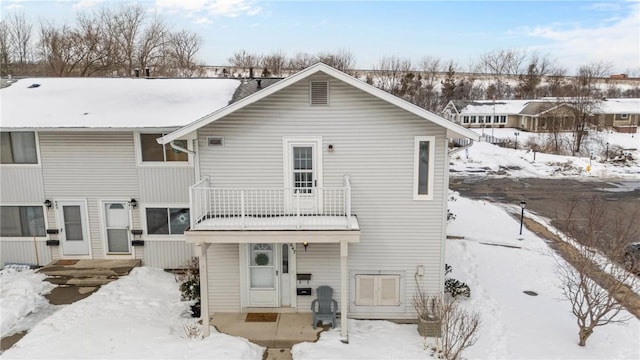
x=592 y=292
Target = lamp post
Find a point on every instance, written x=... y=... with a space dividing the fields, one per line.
x=515 y=146
x=607 y=151
x=523 y=204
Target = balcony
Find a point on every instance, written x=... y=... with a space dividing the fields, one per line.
x=314 y=208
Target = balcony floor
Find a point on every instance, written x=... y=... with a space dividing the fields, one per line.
x=285 y=222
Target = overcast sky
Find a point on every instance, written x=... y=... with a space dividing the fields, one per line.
x=571 y=32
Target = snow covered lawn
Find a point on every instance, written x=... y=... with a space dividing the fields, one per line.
x=484 y=158
x=21 y=294
x=139 y=316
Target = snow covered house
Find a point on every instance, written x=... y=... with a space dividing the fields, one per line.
x=622 y=115
x=319 y=179
x=528 y=115
x=81 y=173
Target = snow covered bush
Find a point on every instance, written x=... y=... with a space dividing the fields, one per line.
x=453 y=286
x=190 y=281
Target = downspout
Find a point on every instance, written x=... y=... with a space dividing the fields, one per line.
x=181 y=149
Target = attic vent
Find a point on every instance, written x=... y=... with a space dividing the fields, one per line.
x=215 y=140
x=319 y=93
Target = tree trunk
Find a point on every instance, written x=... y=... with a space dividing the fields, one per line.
x=584 y=334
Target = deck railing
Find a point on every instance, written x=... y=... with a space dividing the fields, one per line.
x=213 y=207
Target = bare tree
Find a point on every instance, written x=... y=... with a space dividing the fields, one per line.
x=244 y=60
x=20 y=34
x=502 y=62
x=594 y=294
x=183 y=47
x=6 y=58
x=274 y=63
x=585 y=99
x=341 y=59
x=150 y=46
x=302 y=60
x=388 y=73
x=538 y=67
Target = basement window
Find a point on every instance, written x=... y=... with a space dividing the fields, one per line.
x=319 y=93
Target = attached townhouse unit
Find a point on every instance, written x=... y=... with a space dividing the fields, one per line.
x=315 y=179
x=82 y=176
x=542 y=115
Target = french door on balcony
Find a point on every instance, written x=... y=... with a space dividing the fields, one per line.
x=303 y=175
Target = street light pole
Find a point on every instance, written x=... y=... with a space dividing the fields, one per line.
x=523 y=204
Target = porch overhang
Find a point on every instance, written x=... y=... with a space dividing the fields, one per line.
x=270 y=236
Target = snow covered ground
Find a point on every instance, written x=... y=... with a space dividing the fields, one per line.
x=141 y=315
x=486 y=159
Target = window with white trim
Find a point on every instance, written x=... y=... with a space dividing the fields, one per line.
x=424 y=149
x=167 y=221
x=465 y=119
x=503 y=118
x=377 y=290
x=21 y=221
x=151 y=151
x=473 y=119
x=18 y=147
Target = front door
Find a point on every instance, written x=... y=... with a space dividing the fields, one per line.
x=116 y=220
x=74 y=235
x=270 y=275
x=263 y=275
x=304 y=175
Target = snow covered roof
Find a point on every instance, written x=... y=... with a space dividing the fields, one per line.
x=111 y=102
x=502 y=107
x=453 y=130
x=620 y=106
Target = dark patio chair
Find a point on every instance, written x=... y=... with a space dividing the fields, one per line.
x=324 y=307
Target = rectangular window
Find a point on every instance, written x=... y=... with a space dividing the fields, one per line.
x=624 y=116
x=473 y=119
x=503 y=118
x=423 y=167
x=18 y=147
x=153 y=152
x=21 y=221
x=377 y=290
x=480 y=119
x=167 y=221
x=496 y=119
x=465 y=119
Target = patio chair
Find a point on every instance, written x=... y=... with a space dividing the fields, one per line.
x=324 y=307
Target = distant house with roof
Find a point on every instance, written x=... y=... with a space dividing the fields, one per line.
x=541 y=115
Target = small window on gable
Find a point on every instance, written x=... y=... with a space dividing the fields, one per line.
x=319 y=93
x=424 y=148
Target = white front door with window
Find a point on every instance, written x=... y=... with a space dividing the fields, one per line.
x=74 y=233
x=303 y=173
x=116 y=221
x=269 y=283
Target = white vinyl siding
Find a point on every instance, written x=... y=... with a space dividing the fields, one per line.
x=89 y=166
x=224 y=277
x=25 y=252
x=373 y=143
x=20 y=184
x=166 y=254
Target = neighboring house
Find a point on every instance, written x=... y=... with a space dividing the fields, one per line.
x=622 y=115
x=542 y=115
x=81 y=173
x=319 y=179
x=528 y=115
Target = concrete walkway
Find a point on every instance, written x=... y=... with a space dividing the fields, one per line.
x=278 y=336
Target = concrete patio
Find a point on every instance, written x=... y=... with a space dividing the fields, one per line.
x=288 y=330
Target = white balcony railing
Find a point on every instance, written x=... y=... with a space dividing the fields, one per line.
x=270 y=208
